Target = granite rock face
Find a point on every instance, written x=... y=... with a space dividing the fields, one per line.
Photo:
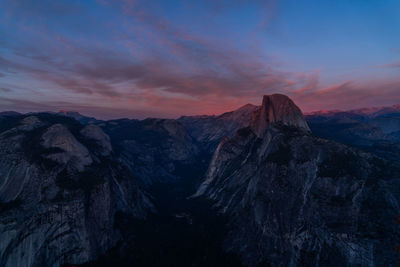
x=59 y=192
x=95 y=133
x=280 y=109
x=209 y=130
x=70 y=191
x=297 y=200
x=71 y=151
x=155 y=150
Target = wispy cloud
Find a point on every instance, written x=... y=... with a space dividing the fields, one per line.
x=5 y=90
x=394 y=64
x=349 y=95
x=130 y=54
x=180 y=67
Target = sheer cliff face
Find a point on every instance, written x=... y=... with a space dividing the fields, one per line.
x=280 y=109
x=294 y=199
x=59 y=191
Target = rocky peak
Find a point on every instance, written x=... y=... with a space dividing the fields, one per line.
x=277 y=108
x=77 y=116
x=247 y=107
x=58 y=136
x=94 y=132
x=240 y=115
x=29 y=123
x=60 y=212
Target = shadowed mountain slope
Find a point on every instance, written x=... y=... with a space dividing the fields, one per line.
x=294 y=199
x=59 y=191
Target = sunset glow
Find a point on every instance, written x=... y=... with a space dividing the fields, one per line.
x=140 y=59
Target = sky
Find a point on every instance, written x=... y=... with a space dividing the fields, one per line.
x=138 y=59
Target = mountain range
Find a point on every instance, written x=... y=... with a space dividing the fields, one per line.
x=258 y=186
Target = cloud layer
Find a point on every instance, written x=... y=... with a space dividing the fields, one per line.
x=132 y=59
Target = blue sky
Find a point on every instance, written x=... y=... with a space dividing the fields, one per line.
x=138 y=58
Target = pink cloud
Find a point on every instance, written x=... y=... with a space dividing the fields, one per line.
x=165 y=70
x=350 y=95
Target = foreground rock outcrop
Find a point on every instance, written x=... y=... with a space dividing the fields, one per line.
x=297 y=200
x=59 y=192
